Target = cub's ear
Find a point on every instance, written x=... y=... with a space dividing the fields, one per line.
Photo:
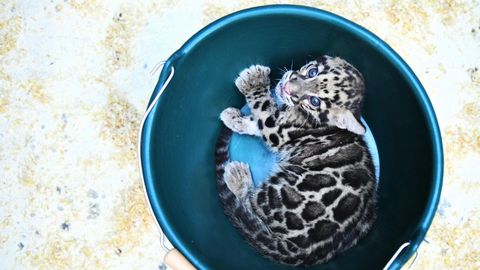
x=344 y=119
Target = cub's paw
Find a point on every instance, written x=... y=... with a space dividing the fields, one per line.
x=233 y=119
x=230 y=117
x=252 y=78
x=238 y=178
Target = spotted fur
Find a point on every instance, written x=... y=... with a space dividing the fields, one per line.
x=320 y=197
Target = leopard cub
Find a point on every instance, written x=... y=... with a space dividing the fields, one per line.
x=320 y=198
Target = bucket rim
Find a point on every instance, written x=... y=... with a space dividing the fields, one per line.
x=353 y=28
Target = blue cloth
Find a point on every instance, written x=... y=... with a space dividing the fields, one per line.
x=253 y=151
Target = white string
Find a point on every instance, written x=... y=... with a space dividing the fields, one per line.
x=414 y=260
x=396 y=255
x=139 y=142
x=157 y=67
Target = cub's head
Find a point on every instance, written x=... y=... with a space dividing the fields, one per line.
x=328 y=89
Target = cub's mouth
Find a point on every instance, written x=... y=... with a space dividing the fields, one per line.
x=282 y=90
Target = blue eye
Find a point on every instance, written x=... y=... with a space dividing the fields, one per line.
x=312 y=72
x=315 y=101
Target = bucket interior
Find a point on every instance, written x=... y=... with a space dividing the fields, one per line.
x=182 y=130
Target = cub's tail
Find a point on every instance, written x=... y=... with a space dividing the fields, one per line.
x=239 y=212
x=244 y=218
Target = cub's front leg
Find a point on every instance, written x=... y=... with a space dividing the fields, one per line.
x=235 y=121
x=254 y=84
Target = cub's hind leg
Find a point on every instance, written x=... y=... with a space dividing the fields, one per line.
x=238 y=179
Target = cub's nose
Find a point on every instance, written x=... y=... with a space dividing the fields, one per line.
x=287 y=87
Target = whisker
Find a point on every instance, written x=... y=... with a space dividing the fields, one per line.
x=316 y=122
x=308 y=115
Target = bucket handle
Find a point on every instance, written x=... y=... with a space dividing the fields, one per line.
x=173 y=258
x=394 y=257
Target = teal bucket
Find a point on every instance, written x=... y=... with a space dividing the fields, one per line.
x=180 y=133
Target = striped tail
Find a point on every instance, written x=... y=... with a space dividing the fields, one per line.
x=239 y=212
x=244 y=218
